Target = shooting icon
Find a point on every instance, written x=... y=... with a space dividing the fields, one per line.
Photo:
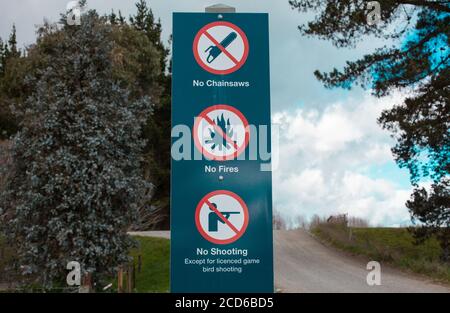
x=214 y=218
x=221 y=132
x=221 y=48
x=221 y=217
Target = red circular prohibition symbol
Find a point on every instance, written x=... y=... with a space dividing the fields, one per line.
x=238 y=65
x=240 y=231
x=239 y=150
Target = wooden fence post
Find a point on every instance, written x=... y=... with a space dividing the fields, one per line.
x=134 y=275
x=129 y=279
x=86 y=284
x=120 y=280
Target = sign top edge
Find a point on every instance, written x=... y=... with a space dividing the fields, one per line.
x=224 y=14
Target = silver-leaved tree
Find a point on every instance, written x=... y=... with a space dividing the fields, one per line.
x=75 y=179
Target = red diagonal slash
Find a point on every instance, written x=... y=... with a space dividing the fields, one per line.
x=213 y=208
x=220 y=131
x=228 y=54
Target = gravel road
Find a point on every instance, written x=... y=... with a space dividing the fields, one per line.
x=303 y=264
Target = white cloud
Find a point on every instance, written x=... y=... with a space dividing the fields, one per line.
x=326 y=158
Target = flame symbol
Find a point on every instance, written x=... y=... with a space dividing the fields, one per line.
x=216 y=140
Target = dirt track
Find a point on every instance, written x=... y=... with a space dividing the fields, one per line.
x=303 y=264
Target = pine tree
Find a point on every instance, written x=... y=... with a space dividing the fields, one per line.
x=158 y=127
x=13 y=51
x=2 y=58
x=144 y=20
x=76 y=178
x=418 y=63
x=12 y=72
x=121 y=18
x=113 y=18
x=141 y=18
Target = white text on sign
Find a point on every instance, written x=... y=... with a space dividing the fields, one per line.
x=220 y=83
x=221 y=169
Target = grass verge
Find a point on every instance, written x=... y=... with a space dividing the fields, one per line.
x=152 y=277
x=390 y=245
x=154 y=274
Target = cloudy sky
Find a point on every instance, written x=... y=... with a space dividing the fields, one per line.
x=334 y=158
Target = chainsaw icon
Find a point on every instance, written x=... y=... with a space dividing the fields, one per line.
x=214 y=51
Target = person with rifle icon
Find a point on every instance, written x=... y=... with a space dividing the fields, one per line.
x=214 y=219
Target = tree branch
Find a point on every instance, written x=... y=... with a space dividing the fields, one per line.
x=443 y=6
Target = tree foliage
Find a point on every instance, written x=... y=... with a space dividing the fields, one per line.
x=140 y=63
x=159 y=124
x=76 y=178
x=417 y=63
x=77 y=86
x=12 y=70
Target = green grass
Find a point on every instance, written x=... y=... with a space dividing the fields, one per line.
x=390 y=245
x=154 y=274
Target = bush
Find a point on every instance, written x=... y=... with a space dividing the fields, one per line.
x=76 y=177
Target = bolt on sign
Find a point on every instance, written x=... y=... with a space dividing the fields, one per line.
x=221 y=198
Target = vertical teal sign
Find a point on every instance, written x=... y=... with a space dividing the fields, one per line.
x=221 y=195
